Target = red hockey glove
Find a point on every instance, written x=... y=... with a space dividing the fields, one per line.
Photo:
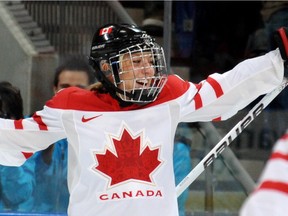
x=281 y=40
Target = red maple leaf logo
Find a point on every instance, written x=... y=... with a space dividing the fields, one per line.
x=129 y=162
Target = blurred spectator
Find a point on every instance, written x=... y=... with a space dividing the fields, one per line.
x=182 y=161
x=153 y=18
x=51 y=192
x=274 y=14
x=257 y=43
x=17 y=183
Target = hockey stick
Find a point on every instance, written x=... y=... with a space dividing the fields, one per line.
x=229 y=137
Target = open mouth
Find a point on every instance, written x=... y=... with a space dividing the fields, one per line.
x=143 y=83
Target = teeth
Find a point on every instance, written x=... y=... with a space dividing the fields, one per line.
x=143 y=81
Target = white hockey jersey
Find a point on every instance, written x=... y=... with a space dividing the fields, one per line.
x=270 y=197
x=120 y=159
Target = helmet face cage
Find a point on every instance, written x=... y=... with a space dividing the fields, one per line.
x=146 y=74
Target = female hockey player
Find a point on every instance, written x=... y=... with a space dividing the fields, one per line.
x=121 y=132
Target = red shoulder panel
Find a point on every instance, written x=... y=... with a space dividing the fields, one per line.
x=80 y=99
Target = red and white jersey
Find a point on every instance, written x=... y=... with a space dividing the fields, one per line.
x=120 y=159
x=271 y=195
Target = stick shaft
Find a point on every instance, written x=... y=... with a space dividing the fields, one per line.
x=229 y=137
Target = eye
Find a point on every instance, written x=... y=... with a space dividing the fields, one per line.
x=64 y=85
x=136 y=61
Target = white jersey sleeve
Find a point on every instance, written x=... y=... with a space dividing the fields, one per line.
x=21 y=138
x=221 y=96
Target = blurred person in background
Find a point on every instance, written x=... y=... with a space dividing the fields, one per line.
x=17 y=183
x=182 y=162
x=51 y=191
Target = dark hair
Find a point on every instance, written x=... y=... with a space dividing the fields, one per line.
x=11 y=103
x=75 y=64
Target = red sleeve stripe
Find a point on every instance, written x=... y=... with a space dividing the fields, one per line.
x=274 y=185
x=198 y=86
x=285 y=136
x=41 y=124
x=18 y=124
x=216 y=86
x=278 y=155
x=217 y=119
x=197 y=98
x=198 y=101
x=27 y=154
